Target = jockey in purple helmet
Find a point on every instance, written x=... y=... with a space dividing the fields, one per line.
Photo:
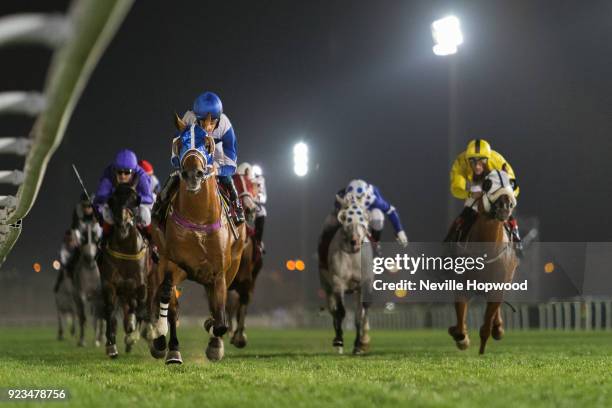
x=207 y=112
x=125 y=169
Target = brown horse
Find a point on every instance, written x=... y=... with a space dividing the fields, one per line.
x=124 y=268
x=241 y=290
x=488 y=234
x=196 y=244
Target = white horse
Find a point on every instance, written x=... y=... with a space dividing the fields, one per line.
x=348 y=250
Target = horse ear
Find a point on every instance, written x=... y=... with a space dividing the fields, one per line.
x=179 y=122
x=210 y=145
x=341 y=216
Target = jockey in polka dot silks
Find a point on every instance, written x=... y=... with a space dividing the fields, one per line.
x=467 y=174
x=369 y=197
x=207 y=112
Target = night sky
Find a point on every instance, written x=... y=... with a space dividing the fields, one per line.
x=359 y=83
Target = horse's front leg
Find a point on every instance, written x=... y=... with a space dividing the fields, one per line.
x=129 y=324
x=173 y=356
x=109 y=295
x=239 y=339
x=362 y=340
x=335 y=304
x=80 y=309
x=459 y=332
x=216 y=326
x=498 y=326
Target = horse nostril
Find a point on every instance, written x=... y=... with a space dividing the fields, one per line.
x=200 y=174
x=353 y=242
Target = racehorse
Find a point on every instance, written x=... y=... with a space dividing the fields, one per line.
x=348 y=249
x=87 y=289
x=197 y=244
x=241 y=289
x=488 y=233
x=124 y=268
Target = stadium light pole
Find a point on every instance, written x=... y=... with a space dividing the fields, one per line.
x=447 y=36
x=301 y=168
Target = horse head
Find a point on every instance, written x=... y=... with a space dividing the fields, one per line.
x=123 y=204
x=354 y=222
x=195 y=150
x=88 y=245
x=498 y=198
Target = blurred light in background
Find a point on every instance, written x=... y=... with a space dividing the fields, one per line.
x=447 y=35
x=549 y=267
x=56 y=265
x=290 y=265
x=300 y=159
x=36 y=267
x=400 y=293
x=300 y=265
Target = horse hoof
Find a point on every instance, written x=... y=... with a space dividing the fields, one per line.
x=81 y=343
x=239 y=341
x=215 y=350
x=97 y=343
x=157 y=347
x=462 y=341
x=497 y=333
x=111 y=351
x=173 y=357
x=339 y=349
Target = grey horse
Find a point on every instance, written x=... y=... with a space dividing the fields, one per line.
x=64 y=303
x=348 y=250
x=87 y=289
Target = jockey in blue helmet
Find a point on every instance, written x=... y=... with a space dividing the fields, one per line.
x=207 y=112
x=124 y=169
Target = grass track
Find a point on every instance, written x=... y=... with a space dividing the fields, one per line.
x=297 y=368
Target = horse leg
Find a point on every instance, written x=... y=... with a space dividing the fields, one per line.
x=361 y=342
x=498 y=326
x=217 y=324
x=158 y=345
x=485 y=329
x=335 y=303
x=173 y=356
x=80 y=307
x=60 y=326
x=459 y=332
x=231 y=308
x=109 y=295
x=129 y=325
x=239 y=339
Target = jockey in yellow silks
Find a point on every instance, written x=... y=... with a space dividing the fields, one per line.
x=466 y=176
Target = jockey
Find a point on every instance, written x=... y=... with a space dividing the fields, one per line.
x=148 y=168
x=207 y=111
x=67 y=250
x=125 y=169
x=368 y=196
x=467 y=174
x=260 y=200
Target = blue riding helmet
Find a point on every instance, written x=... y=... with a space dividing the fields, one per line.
x=208 y=102
x=125 y=159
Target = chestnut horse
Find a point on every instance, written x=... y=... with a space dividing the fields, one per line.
x=196 y=244
x=124 y=269
x=241 y=290
x=489 y=234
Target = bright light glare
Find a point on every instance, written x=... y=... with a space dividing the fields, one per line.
x=447 y=35
x=257 y=171
x=300 y=159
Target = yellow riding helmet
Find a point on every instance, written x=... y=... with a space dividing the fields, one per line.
x=478 y=148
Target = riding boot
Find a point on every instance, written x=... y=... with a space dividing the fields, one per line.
x=259 y=228
x=228 y=182
x=160 y=208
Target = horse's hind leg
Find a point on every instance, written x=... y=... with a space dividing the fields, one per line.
x=80 y=308
x=217 y=325
x=459 y=332
x=498 y=326
x=60 y=326
x=485 y=329
x=239 y=339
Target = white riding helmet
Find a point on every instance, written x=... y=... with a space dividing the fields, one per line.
x=358 y=191
x=257 y=171
x=243 y=167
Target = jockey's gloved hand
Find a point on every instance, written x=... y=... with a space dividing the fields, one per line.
x=144 y=216
x=107 y=214
x=402 y=239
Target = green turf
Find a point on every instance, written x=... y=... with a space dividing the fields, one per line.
x=295 y=368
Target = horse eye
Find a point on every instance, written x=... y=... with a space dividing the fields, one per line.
x=199 y=174
x=184 y=174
